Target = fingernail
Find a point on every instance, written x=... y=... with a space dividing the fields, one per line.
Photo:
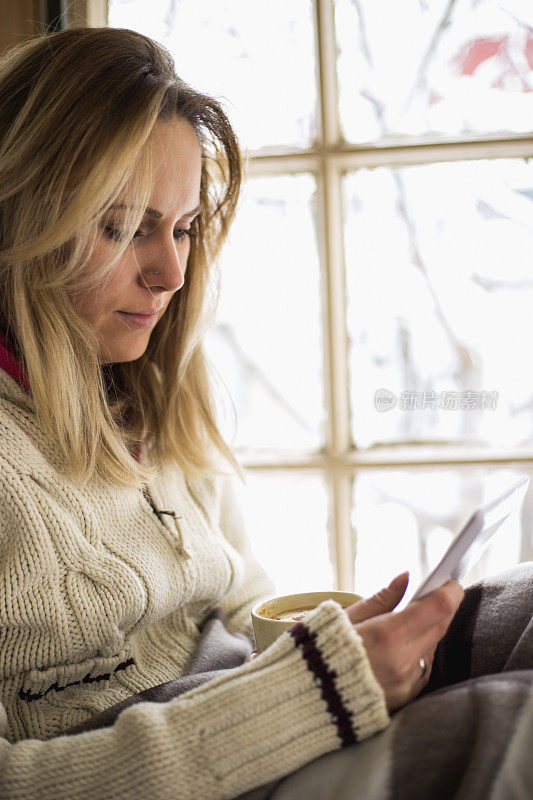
x=398 y=582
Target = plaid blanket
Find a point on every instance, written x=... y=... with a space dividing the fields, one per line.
x=468 y=736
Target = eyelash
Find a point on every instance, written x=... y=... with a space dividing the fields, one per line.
x=116 y=235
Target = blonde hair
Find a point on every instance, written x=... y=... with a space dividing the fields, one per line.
x=76 y=111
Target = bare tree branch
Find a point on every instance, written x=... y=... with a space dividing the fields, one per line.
x=170 y=16
x=462 y=351
x=251 y=370
x=364 y=38
x=421 y=74
x=494 y=284
x=520 y=22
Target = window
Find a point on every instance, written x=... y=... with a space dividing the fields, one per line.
x=375 y=326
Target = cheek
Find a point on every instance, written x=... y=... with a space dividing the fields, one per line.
x=84 y=303
x=99 y=300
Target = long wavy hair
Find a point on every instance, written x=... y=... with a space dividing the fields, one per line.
x=76 y=111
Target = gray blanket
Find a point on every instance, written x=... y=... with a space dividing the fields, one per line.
x=469 y=736
x=218 y=650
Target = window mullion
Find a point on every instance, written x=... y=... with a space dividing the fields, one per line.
x=336 y=386
x=340 y=489
x=330 y=236
x=338 y=438
x=351 y=157
x=327 y=73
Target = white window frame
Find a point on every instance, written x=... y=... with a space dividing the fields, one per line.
x=329 y=160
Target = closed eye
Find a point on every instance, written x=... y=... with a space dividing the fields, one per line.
x=181 y=233
x=118 y=235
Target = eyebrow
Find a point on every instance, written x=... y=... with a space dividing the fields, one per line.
x=152 y=212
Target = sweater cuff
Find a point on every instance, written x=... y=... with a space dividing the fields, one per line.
x=320 y=694
x=335 y=654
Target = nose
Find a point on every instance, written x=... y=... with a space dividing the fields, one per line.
x=165 y=268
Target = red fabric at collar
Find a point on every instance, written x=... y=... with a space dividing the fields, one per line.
x=10 y=363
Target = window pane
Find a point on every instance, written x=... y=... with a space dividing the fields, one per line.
x=406 y=519
x=286 y=519
x=440 y=287
x=267 y=344
x=257 y=59
x=439 y=67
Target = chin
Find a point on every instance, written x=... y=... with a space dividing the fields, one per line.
x=120 y=355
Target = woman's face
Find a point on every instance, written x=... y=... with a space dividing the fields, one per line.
x=153 y=266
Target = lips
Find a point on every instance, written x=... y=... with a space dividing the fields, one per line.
x=138 y=320
x=146 y=312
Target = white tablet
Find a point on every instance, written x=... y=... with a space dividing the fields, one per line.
x=469 y=544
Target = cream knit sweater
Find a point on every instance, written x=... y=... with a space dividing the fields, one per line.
x=100 y=598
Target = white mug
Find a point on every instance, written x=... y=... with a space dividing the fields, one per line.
x=267 y=629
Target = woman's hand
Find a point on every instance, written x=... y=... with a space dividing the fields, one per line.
x=395 y=643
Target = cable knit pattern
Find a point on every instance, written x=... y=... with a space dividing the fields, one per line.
x=101 y=598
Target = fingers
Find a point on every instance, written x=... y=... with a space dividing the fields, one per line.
x=419 y=628
x=380 y=603
x=433 y=611
x=430 y=638
x=395 y=643
x=403 y=685
x=417 y=680
x=424 y=666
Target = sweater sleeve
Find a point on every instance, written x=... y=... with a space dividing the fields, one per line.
x=309 y=693
x=255 y=584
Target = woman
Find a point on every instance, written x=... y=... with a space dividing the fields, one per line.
x=119 y=532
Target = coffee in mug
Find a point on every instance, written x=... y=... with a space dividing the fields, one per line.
x=271 y=618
